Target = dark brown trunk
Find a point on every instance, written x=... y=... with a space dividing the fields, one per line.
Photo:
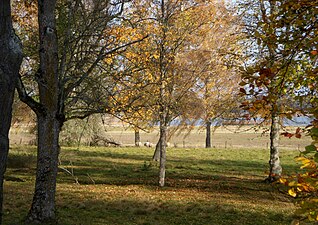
x=49 y=121
x=10 y=61
x=156 y=154
x=208 y=135
x=137 y=138
x=6 y=100
x=274 y=162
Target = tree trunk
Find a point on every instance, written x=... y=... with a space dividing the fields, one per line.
x=156 y=154
x=10 y=61
x=208 y=135
x=137 y=137
x=43 y=205
x=274 y=162
x=163 y=148
x=49 y=119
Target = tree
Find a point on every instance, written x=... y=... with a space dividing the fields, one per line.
x=11 y=59
x=173 y=27
x=75 y=59
x=270 y=76
x=266 y=49
x=301 y=22
x=218 y=58
x=49 y=116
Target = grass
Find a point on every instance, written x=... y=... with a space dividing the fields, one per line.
x=119 y=186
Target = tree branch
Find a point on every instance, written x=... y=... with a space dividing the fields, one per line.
x=24 y=97
x=100 y=57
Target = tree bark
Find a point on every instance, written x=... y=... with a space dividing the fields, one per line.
x=137 y=137
x=274 y=162
x=163 y=158
x=43 y=205
x=156 y=154
x=10 y=61
x=48 y=117
x=208 y=135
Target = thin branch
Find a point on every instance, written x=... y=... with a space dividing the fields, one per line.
x=100 y=57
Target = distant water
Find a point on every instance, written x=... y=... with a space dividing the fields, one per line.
x=297 y=121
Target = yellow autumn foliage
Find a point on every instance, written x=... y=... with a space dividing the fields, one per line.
x=304 y=185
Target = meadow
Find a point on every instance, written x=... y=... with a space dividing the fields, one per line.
x=104 y=185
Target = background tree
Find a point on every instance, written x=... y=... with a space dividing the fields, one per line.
x=218 y=57
x=11 y=58
x=175 y=27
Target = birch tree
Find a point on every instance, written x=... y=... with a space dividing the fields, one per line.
x=173 y=27
x=275 y=67
x=219 y=57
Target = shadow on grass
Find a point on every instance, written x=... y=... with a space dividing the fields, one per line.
x=243 y=187
x=22 y=160
x=162 y=213
x=224 y=175
x=111 y=160
x=76 y=207
x=146 y=155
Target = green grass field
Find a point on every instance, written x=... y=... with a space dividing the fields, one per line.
x=119 y=186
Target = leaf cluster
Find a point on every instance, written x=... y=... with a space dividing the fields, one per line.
x=278 y=74
x=304 y=186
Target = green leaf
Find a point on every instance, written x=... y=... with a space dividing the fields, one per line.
x=314 y=132
x=310 y=149
x=316 y=157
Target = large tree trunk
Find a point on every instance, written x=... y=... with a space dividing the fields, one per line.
x=208 y=134
x=163 y=148
x=274 y=162
x=10 y=61
x=43 y=205
x=49 y=119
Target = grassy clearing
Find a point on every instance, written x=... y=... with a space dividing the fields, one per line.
x=119 y=186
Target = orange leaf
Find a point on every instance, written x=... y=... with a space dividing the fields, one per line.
x=314 y=52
